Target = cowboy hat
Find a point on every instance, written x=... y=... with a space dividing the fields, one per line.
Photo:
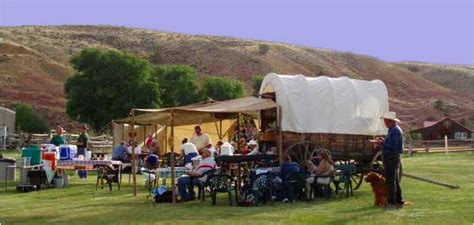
x=84 y=126
x=390 y=116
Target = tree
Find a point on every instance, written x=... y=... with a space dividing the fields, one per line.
x=107 y=85
x=221 y=88
x=178 y=85
x=27 y=120
x=256 y=83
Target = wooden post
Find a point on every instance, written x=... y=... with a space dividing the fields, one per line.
x=446 y=144
x=144 y=135
x=238 y=132
x=220 y=132
x=134 y=177
x=173 y=186
x=280 y=136
x=123 y=131
x=166 y=139
x=410 y=149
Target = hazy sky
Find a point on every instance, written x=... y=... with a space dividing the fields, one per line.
x=440 y=31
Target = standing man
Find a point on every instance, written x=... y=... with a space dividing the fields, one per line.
x=58 y=138
x=392 y=147
x=82 y=148
x=200 y=140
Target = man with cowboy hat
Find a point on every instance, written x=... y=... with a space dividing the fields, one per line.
x=58 y=139
x=392 y=147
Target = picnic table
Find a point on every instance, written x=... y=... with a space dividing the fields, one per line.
x=89 y=165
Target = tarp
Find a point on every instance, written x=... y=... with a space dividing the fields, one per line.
x=328 y=105
x=209 y=115
x=201 y=113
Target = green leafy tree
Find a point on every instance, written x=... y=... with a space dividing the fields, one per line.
x=221 y=88
x=256 y=83
x=107 y=85
x=27 y=120
x=178 y=85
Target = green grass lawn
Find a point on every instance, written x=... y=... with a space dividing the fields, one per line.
x=81 y=204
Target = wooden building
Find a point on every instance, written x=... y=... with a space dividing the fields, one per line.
x=437 y=130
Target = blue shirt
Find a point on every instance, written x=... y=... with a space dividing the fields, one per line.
x=119 y=151
x=393 y=141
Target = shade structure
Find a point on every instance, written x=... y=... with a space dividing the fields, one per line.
x=202 y=112
x=328 y=105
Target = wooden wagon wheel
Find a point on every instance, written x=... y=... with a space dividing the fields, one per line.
x=302 y=151
x=377 y=165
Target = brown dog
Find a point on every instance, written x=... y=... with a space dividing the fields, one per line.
x=379 y=187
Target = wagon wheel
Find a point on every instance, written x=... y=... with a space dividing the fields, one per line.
x=377 y=165
x=356 y=177
x=302 y=151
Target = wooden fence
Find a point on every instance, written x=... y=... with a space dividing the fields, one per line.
x=97 y=144
x=439 y=146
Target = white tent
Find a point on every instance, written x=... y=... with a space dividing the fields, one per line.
x=328 y=105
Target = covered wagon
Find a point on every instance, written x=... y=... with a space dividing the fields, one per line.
x=340 y=114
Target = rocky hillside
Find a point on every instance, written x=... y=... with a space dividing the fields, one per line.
x=34 y=63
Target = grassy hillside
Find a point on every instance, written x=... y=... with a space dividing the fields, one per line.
x=34 y=62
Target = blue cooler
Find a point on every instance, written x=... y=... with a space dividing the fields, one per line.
x=67 y=152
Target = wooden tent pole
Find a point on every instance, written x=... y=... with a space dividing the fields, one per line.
x=172 y=158
x=134 y=177
x=220 y=132
x=144 y=135
x=238 y=132
x=280 y=136
x=166 y=139
x=217 y=128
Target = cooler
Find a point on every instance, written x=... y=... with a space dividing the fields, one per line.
x=50 y=156
x=67 y=152
x=34 y=153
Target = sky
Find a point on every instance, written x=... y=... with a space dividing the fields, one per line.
x=437 y=31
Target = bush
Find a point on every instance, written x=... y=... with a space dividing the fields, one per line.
x=263 y=49
x=256 y=83
x=28 y=120
x=221 y=88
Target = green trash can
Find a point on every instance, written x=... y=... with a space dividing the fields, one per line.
x=34 y=152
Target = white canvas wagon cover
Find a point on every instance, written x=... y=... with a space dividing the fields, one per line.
x=328 y=105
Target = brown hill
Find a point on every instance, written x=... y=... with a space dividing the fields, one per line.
x=34 y=62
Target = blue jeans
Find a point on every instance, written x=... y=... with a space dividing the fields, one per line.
x=188 y=157
x=82 y=173
x=184 y=182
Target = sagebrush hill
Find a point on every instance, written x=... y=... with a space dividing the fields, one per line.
x=34 y=63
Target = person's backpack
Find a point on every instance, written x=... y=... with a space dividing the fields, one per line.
x=166 y=196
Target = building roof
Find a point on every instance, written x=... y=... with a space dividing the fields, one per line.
x=428 y=124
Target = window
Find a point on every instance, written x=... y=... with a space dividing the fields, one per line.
x=460 y=135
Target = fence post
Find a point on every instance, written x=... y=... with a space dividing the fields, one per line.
x=410 y=148
x=446 y=144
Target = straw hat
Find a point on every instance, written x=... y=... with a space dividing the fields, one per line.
x=84 y=126
x=390 y=116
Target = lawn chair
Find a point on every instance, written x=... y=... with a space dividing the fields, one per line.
x=202 y=185
x=108 y=175
x=221 y=184
x=346 y=171
x=261 y=188
x=294 y=183
x=324 y=189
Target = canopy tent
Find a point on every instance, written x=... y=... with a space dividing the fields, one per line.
x=203 y=113
x=328 y=105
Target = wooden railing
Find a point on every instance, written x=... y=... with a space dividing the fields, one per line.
x=439 y=146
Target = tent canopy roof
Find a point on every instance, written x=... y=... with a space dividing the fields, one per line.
x=201 y=112
x=328 y=105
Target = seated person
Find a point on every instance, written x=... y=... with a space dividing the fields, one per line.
x=226 y=149
x=155 y=148
x=321 y=172
x=218 y=147
x=138 y=149
x=189 y=151
x=287 y=167
x=184 y=182
x=120 y=153
x=151 y=161
x=253 y=147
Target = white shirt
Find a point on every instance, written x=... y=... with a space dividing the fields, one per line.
x=200 y=141
x=138 y=149
x=189 y=148
x=227 y=149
